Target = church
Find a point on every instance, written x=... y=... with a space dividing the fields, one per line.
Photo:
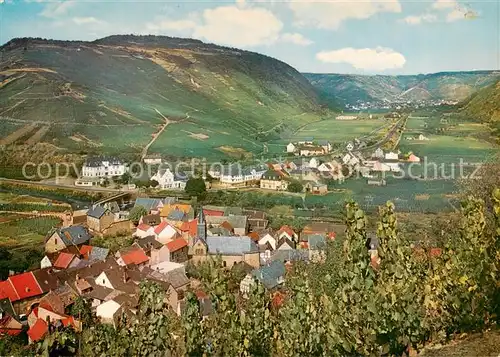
x=231 y=249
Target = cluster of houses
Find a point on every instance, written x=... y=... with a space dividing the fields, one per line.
x=169 y=236
x=309 y=147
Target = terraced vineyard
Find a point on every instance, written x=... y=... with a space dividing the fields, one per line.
x=106 y=96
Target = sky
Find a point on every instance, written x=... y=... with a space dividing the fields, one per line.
x=322 y=36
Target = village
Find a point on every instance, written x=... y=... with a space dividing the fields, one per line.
x=310 y=165
x=167 y=239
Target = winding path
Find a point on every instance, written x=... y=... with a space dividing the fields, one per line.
x=155 y=135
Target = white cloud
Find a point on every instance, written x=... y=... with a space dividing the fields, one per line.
x=377 y=59
x=455 y=15
x=329 y=14
x=234 y=26
x=296 y=38
x=418 y=19
x=56 y=9
x=444 y=4
x=86 y=20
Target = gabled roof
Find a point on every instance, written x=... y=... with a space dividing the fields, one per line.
x=52 y=302
x=143 y=227
x=38 y=330
x=290 y=255
x=226 y=225
x=161 y=227
x=190 y=227
x=147 y=203
x=133 y=255
x=96 y=211
x=25 y=285
x=231 y=245
x=176 y=215
x=212 y=212
x=98 y=254
x=85 y=250
x=64 y=260
x=46 y=279
x=7 y=291
x=151 y=219
x=176 y=244
x=176 y=278
x=74 y=235
x=269 y=275
x=148 y=242
x=288 y=230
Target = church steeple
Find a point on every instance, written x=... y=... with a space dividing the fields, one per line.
x=201 y=230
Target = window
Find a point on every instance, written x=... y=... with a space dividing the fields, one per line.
x=224 y=264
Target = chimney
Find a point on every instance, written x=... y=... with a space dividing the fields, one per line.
x=125 y=276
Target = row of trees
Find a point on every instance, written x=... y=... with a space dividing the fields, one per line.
x=353 y=303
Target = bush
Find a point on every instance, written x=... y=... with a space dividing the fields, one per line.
x=295 y=186
x=195 y=187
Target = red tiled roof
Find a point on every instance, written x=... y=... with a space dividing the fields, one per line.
x=38 y=330
x=332 y=235
x=25 y=285
x=134 y=256
x=161 y=227
x=7 y=291
x=143 y=227
x=69 y=321
x=85 y=250
x=176 y=244
x=212 y=212
x=287 y=230
x=63 y=260
x=191 y=227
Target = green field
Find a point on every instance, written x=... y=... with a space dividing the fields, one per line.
x=25 y=233
x=335 y=131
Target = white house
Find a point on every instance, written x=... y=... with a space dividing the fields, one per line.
x=391 y=156
x=45 y=262
x=235 y=174
x=152 y=160
x=143 y=230
x=165 y=232
x=290 y=148
x=268 y=239
x=378 y=154
x=350 y=159
x=167 y=180
x=422 y=138
x=108 y=311
x=313 y=163
x=349 y=146
x=346 y=117
x=103 y=167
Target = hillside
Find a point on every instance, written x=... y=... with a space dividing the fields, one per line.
x=345 y=89
x=485 y=104
x=112 y=95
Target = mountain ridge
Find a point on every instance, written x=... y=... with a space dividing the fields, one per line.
x=212 y=94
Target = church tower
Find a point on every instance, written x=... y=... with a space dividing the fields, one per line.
x=201 y=230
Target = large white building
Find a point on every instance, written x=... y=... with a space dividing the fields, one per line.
x=168 y=180
x=103 y=167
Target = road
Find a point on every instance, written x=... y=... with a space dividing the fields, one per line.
x=155 y=135
x=55 y=185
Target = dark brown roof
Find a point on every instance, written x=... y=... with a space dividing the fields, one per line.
x=66 y=294
x=53 y=302
x=46 y=279
x=98 y=292
x=152 y=219
x=131 y=301
x=148 y=242
x=177 y=279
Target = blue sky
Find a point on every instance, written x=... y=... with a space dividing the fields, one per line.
x=328 y=36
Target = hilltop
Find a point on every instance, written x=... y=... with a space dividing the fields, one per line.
x=116 y=94
x=345 y=89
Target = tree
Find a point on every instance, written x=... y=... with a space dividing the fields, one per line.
x=136 y=213
x=153 y=183
x=195 y=186
x=125 y=178
x=346 y=171
x=295 y=186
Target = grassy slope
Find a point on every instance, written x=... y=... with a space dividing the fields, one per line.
x=105 y=95
x=446 y=85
